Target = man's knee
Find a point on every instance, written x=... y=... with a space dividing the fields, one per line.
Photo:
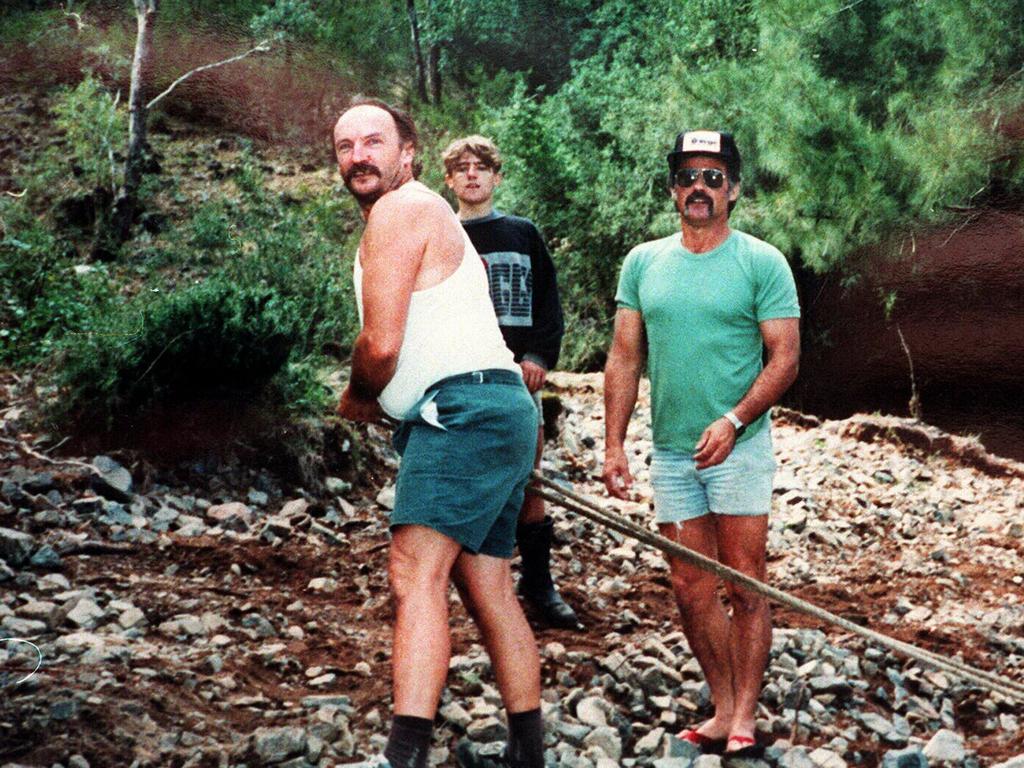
x=744 y=602
x=694 y=593
x=409 y=574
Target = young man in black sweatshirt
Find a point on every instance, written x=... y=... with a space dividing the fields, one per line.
x=525 y=297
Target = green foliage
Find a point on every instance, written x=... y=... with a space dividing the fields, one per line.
x=44 y=298
x=534 y=37
x=95 y=128
x=276 y=298
x=211 y=230
x=215 y=338
x=856 y=121
x=285 y=18
x=853 y=121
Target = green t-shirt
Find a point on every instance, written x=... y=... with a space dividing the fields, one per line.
x=701 y=312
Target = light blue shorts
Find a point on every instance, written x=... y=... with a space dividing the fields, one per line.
x=740 y=485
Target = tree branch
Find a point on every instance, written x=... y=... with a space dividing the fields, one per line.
x=263 y=47
x=36 y=455
x=914 y=406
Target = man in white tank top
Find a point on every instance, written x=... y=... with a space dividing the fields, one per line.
x=430 y=354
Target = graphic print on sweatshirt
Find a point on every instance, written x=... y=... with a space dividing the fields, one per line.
x=511 y=284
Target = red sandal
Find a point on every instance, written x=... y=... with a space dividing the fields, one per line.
x=750 y=749
x=705 y=744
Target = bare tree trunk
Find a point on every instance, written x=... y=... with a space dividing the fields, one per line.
x=417 y=51
x=434 y=72
x=126 y=205
x=433 y=55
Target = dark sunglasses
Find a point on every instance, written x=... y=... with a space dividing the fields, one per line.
x=687 y=177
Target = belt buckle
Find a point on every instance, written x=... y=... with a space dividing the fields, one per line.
x=478 y=377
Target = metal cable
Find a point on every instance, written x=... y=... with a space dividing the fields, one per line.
x=581 y=505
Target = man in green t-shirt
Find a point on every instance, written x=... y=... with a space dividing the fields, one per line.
x=699 y=307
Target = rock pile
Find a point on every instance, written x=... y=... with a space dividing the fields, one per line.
x=196 y=617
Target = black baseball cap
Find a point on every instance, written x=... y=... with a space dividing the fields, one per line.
x=713 y=143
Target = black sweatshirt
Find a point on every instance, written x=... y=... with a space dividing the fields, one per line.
x=522 y=282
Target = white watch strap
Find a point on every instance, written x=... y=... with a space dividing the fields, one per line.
x=734 y=420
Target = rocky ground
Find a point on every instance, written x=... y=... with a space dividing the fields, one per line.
x=209 y=615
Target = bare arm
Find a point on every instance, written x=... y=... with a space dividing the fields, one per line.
x=621 y=382
x=782 y=344
x=391 y=254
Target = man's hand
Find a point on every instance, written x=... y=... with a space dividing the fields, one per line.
x=616 y=475
x=357 y=409
x=715 y=444
x=533 y=375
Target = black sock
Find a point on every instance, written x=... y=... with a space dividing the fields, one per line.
x=409 y=741
x=526 y=739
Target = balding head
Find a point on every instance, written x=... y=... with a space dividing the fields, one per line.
x=374 y=157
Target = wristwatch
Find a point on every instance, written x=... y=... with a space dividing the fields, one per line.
x=735 y=421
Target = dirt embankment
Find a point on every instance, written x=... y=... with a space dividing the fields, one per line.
x=959 y=304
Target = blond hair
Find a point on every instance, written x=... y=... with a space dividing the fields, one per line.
x=481 y=146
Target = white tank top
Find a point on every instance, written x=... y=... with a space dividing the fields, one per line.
x=451 y=328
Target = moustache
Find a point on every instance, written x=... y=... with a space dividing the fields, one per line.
x=362 y=168
x=698 y=197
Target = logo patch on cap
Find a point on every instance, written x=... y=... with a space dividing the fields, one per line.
x=702 y=141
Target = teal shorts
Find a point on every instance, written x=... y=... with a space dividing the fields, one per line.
x=740 y=485
x=467 y=452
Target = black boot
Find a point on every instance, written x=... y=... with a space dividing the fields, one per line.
x=535 y=583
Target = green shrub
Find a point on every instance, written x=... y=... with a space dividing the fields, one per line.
x=213 y=339
x=853 y=123
x=44 y=296
x=302 y=250
x=276 y=297
x=211 y=230
x=95 y=126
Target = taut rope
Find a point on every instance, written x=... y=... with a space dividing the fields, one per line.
x=581 y=505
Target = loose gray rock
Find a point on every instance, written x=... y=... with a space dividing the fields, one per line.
x=678 y=748
x=797 y=757
x=88 y=506
x=113 y=481
x=189 y=525
x=876 y=723
x=590 y=711
x=825 y=758
x=456 y=714
x=257 y=498
x=63 y=710
x=649 y=744
x=945 y=746
x=571 y=733
x=86 y=614
x=294 y=508
x=911 y=757
x=276 y=528
x=41 y=610
x=233 y=516
x=275 y=745
x=487 y=729
x=46 y=557
x=131 y=617
x=12 y=626
x=606 y=739
x=336 y=486
x=672 y=762
x=16 y=547
x=40 y=482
